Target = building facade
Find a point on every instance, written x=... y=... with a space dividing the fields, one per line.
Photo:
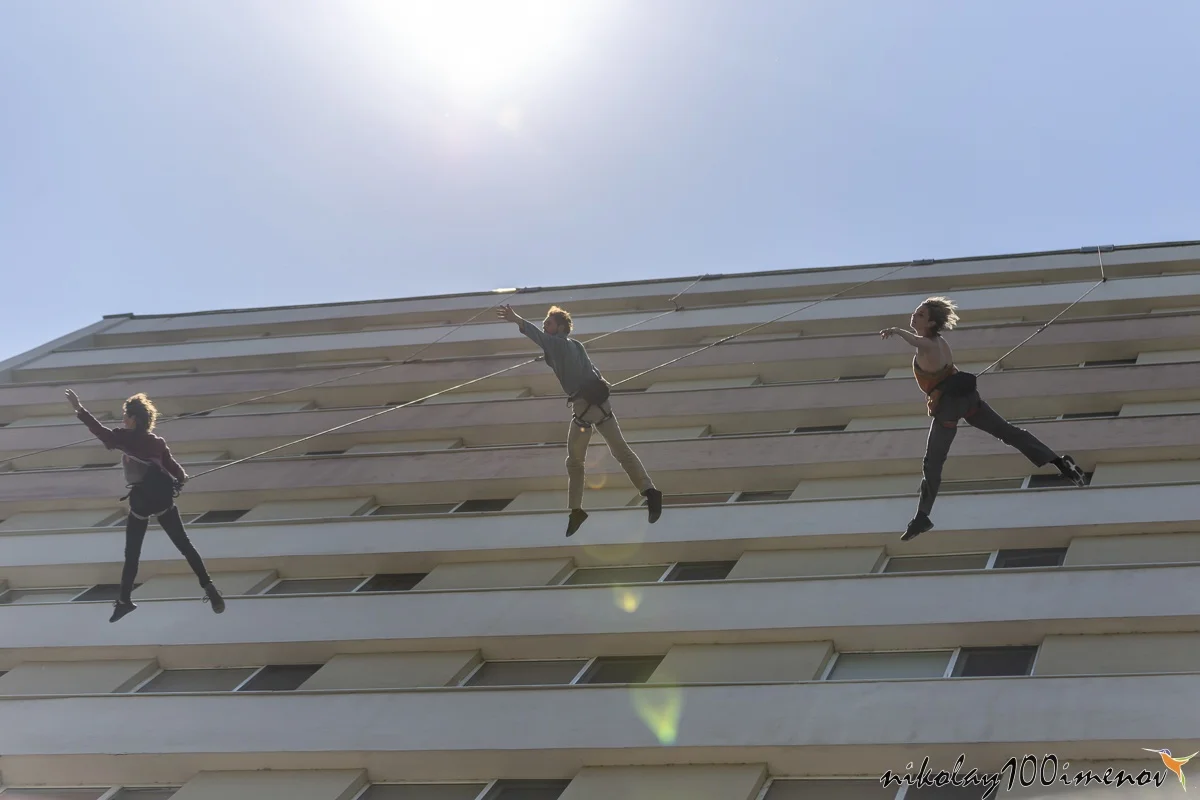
x=406 y=619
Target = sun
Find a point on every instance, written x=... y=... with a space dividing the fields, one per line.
x=476 y=46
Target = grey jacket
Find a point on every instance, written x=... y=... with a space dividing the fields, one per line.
x=567 y=357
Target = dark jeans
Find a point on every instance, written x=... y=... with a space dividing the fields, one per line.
x=135 y=534
x=978 y=414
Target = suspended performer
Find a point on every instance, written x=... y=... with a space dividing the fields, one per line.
x=154 y=478
x=951 y=395
x=587 y=393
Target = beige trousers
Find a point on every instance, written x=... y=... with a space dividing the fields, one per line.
x=577 y=444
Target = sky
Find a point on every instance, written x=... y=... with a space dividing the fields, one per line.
x=209 y=154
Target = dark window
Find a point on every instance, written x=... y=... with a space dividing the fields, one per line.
x=870 y=377
x=820 y=429
x=526 y=673
x=817 y=789
x=763 y=497
x=478 y=506
x=1039 y=557
x=1111 y=362
x=1093 y=415
x=984 y=485
x=979 y=662
x=104 y=465
x=623 y=669
x=395 y=582
x=315 y=586
x=423 y=791
x=107 y=592
x=217 y=517
x=527 y=790
x=143 y=794
x=711 y=498
x=415 y=508
x=947 y=792
x=700 y=571
x=280 y=678
x=1053 y=481
x=325 y=453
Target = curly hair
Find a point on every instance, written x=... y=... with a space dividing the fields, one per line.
x=564 y=319
x=941 y=313
x=143 y=412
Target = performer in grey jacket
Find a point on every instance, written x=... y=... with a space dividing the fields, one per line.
x=588 y=393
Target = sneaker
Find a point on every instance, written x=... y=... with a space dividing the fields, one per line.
x=211 y=595
x=578 y=515
x=918 y=525
x=121 y=608
x=654 y=503
x=1071 y=471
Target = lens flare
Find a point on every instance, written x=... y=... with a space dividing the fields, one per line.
x=660 y=708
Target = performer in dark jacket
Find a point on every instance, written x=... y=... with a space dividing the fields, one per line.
x=588 y=393
x=154 y=478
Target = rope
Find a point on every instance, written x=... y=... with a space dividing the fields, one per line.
x=760 y=325
x=443 y=391
x=408 y=360
x=1103 y=279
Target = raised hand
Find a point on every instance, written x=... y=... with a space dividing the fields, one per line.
x=506 y=313
x=74 y=400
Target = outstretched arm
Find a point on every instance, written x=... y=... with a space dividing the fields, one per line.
x=919 y=342
x=107 y=436
x=535 y=333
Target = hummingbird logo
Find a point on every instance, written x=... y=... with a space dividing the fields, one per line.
x=1174 y=764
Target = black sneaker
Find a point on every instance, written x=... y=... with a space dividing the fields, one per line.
x=1071 y=471
x=654 y=503
x=918 y=525
x=578 y=515
x=211 y=595
x=121 y=608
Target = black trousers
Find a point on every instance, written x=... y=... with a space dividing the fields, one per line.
x=978 y=414
x=135 y=534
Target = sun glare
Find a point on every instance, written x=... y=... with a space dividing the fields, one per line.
x=478 y=45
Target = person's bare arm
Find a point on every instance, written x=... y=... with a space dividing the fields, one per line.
x=923 y=344
x=536 y=334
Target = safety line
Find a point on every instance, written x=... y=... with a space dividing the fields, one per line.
x=443 y=391
x=1103 y=279
x=760 y=325
x=407 y=360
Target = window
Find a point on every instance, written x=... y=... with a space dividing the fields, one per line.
x=480 y=506
x=1054 y=481
x=870 y=377
x=53 y=794
x=830 y=790
x=1039 y=557
x=424 y=791
x=144 y=794
x=280 y=678
x=977 y=662
x=1112 y=362
x=196 y=680
x=22 y=597
x=821 y=428
x=763 y=497
x=694 y=499
x=397 y=582
x=216 y=517
x=413 y=509
x=527 y=790
x=621 y=669
x=526 y=673
x=99 y=465
x=987 y=484
x=889 y=665
x=325 y=452
x=937 y=563
x=1092 y=415
x=315 y=586
x=700 y=571
x=947 y=792
x=102 y=592
x=596 y=576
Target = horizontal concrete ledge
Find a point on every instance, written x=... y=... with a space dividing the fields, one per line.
x=908 y=611
x=885 y=714
x=673 y=463
x=544 y=418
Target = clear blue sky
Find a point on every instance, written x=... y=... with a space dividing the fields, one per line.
x=199 y=154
